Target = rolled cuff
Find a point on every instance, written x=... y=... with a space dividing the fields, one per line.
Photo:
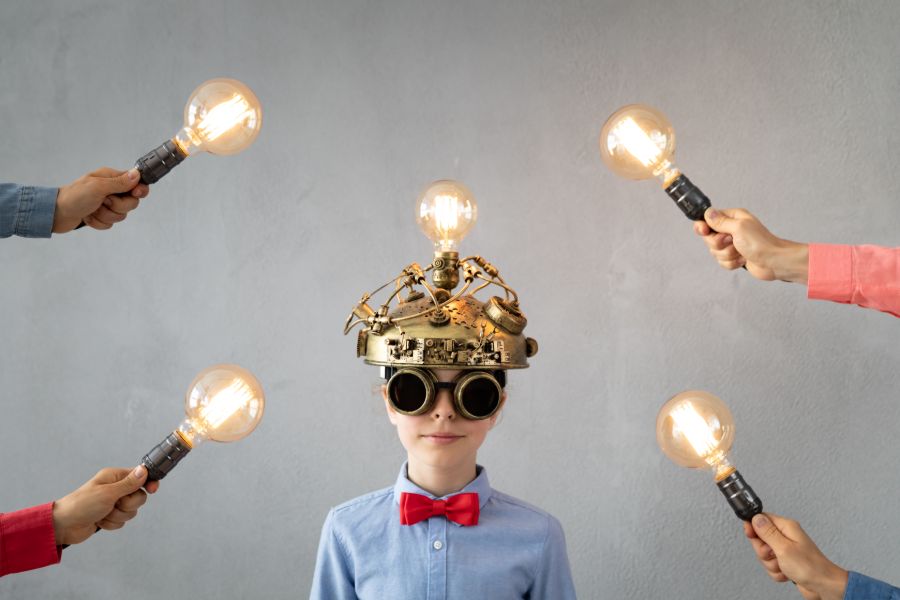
x=830 y=272
x=27 y=540
x=860 y=587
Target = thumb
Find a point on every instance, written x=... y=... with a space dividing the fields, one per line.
x=770 y=534
x=131 y=482
x=720 y=221
x=123 y=182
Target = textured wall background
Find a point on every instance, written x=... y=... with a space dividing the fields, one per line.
x=787 y=108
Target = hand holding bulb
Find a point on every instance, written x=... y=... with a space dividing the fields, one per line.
x=696 y=430
x=788 y=554
x=222 y=116
x=742 y=240
x=110 y=499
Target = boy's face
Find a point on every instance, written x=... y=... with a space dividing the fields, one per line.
x=441 y=438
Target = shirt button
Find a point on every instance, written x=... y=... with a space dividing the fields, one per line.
x=438 y=544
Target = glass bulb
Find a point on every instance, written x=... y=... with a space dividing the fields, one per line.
x=638 y=142
x=224 y=403
x=696 y=430
x=445 y=212
x=222 y=116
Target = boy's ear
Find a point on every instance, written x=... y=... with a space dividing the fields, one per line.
x=391 y=413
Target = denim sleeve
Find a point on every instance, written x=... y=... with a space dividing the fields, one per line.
x=26 y=210
x=333 y=579
x=553 y=579
x=860 y=587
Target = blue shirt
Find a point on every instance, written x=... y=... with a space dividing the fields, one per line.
x=26 y=210
x=516 y=551
x=860 y=587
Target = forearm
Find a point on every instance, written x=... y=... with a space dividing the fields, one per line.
x=26 y=211
x=27 y=540
x=860 y=587
x=868 y=276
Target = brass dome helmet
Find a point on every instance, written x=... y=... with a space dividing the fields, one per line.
x=429 y=325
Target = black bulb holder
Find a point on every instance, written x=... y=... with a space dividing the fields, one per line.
x=157 y=163
x=164 y=456
x=689 y=198
x=741 y=497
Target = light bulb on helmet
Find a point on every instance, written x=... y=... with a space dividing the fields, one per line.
x=695 y=429
x=446 y=211
x=638 y=142
x=224 y=403
x=222 y=116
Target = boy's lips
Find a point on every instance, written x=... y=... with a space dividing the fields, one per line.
x=441 y=438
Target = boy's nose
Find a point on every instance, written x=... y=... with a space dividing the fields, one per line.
x=443 y=406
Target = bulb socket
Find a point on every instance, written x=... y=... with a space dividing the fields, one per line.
x=445 y=274
x=689 y=198
x=164 y=456
x=741 y=497
x=154 y=165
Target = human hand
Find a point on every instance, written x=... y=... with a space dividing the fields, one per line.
x=99 y=199
x=736 y=238
x=107 y=501
x=788 y=554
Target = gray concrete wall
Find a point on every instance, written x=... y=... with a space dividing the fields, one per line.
x=788 y=108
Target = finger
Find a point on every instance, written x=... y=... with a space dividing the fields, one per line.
x=719 y=220
x=769 y=533
x=120 y=516
x=121 y=204
x=105 y=215
x=731 y=265
x=701 y=228
x=141 y=190
x=118 y=184
x=790 y=528
x=771 y=566
x=109 y=525
x=720 y=241
x=748 y=531
x=762 y=550
x=779 y=577
x=151 y=487
x=728 y=253
x=90 y=221
x=132 y=501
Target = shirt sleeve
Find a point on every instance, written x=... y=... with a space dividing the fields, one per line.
x=553 y=579
x=27 y=540
x=333 y=579
x=26 y=210
x=860 y=587
x=868 y=276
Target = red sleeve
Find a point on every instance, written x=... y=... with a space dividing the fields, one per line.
x=27 y=540
x=868 y=276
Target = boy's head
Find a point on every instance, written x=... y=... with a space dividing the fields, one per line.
x=443 y=355
x=442 y=416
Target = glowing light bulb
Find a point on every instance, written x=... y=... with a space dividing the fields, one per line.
x=222 y=116
x=225 y=403
x=695 y=429
x=638 y=142
x=445 y=212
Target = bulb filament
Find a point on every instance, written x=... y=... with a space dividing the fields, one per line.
x=224 y=116
x=225 y=403
x=698 y=433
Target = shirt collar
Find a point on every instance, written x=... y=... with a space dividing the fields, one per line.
x=480 y=485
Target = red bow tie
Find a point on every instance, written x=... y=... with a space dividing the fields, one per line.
x=461 y=508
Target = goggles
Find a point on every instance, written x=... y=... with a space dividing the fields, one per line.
x=476 y=394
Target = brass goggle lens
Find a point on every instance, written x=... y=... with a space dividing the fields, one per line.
x=476 y=395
